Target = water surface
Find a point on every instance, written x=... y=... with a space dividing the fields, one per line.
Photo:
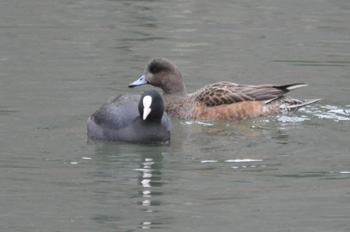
x=61 y=60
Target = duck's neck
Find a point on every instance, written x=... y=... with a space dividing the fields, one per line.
x=175 y=91
x=176 y=87
x=174 y=101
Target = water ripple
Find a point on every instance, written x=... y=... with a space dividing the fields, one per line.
x=334 y=113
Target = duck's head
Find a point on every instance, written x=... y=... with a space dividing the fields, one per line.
x=164 y=74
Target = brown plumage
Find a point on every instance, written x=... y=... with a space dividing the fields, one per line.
x=221 y=100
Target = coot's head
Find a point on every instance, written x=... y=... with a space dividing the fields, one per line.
x=151 y=106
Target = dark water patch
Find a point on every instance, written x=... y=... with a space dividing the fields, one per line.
x=313 y=62
x=5 y=110
x=305 y=175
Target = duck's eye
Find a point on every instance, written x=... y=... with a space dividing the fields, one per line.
x=154 y=70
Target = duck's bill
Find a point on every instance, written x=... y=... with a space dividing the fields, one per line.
x=140 y=81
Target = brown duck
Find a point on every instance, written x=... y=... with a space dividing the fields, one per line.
x=221 y=100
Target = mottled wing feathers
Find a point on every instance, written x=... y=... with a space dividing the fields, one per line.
x=222 y=93
x=227 y=93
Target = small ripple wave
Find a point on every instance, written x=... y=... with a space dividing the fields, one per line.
x=331 y=112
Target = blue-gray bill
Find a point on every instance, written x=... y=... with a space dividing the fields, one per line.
x=140 y=81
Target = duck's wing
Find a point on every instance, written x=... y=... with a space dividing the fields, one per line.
x=228 y=93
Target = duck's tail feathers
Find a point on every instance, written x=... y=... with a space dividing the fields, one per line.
x=291 y=87
x=290 y=104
